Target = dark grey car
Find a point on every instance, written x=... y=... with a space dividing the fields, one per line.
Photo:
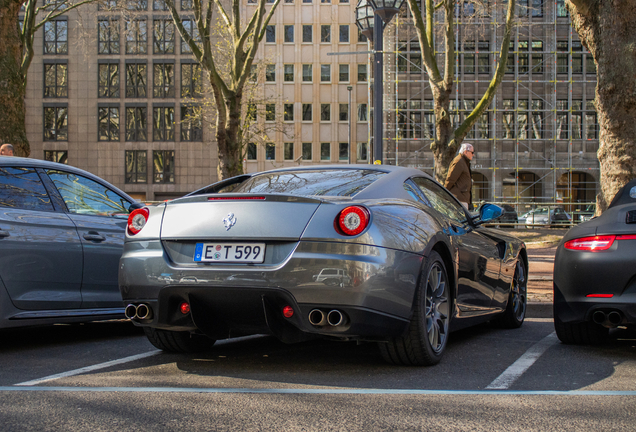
x=412 y=263
x=61 y=237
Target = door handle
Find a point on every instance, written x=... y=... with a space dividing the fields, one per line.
x=4 y=234
x=94 y=236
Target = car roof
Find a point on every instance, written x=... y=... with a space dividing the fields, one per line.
x=14 y=161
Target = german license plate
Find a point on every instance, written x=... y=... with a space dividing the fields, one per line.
x=230 y=252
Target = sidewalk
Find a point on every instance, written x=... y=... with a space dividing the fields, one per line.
x=541 y=262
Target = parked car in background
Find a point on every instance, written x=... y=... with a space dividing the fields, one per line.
x=412 y=263
x=595 y=274
x=585 y=214
x=508 y=219
x=61 y=237
x=548 y=216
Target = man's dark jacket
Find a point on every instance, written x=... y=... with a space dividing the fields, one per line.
x=459 y=180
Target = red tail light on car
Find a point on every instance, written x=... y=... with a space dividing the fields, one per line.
x=136 y=220
x=352 y=220
x=596 y=243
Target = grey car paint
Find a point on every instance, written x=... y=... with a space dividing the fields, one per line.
x=54 y=267
x=383 y=263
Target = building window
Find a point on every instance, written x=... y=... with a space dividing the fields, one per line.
x=108 y=128
x=56 y=123
x=137 y=5
x=344 y=34
x=308 y=31
x=325 y=112
x=591 y=123
x=362 y=73
x=536 y=128
x=270 y=34
x=191 y=123
x=56 y=37
x=163 y=166
x=537 y=57
x=59 y=156
x=288 y=75
x=108 y=80
x=163 y=123
x=522 y=56
x=270 y=73
x=577 y=57
x=562 y=126
x=307 y=73
x=55 y=80
x=187 y=5
x=590 y=66
x=483 y=57
x=325 y=151
x=136 y=166
x=577 y=119
x=288 y=112
x=136 y=37
x=362 y=113
x=104 y=5
x=562 y=57
x=343 y=73
x=537 y=8
x=136 y=75
x=270 y=151
x=191 y=80
x=193 y=31
x=363 y=154
x=108 y=36
x=251 y=113
x=325 y=73
x=469 y=57
x=307 y=112
x=159 y=5
x=163 y=80
x=510 y=63
x=562 y=12
x=307 y=147
x=270 y=112
x=288 y=151
x=343 y=112
x=136 y=123
x=163 y=36
x=343 y=151
x=361 y=38
x=288 y=35
x=325 y=33
x=251 y=151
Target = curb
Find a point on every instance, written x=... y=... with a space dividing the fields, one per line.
x=536 y=309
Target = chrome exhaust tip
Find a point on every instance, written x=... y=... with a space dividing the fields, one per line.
x=131 y=311
x=335 y=318
x=599 y=317
x=144 y=312
x=614 y=318
x=317 y=317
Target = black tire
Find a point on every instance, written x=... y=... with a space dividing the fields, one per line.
x=581 y=333
x=427 y=335
x=178 y=342
x=515 y=311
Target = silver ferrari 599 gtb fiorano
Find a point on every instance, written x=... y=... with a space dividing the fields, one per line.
x=355 y=252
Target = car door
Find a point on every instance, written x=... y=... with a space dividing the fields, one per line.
x=479 y=257
x=40 y=250
x=100 y=216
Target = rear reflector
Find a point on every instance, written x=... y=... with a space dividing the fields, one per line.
x=236 y=198
x=600 y=295
x=184 y=308
x=288 y=312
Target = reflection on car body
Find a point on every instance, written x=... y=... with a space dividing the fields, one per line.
x=355 y=252
x=61 y=237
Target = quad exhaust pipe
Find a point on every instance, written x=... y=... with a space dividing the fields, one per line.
x=611 y=319
x=333 y=318
x=141 y=311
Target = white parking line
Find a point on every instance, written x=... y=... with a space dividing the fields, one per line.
x=89 y=368
x=523 y=363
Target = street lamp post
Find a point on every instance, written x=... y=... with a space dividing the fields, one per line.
x=383 y=11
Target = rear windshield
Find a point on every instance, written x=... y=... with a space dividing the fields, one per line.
x=311 y=183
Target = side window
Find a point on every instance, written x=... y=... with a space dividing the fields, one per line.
x=87 y=197
x=21 y=188
x=440 y=199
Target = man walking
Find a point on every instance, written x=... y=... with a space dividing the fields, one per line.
x=6 y=150
x=459 y=180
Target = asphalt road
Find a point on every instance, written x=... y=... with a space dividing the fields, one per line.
x=106 y=376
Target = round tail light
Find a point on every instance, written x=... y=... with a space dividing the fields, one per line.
x=184 y=308
x=137 y=220
x=288 y=312
x=352 y=220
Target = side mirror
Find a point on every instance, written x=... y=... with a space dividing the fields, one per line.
x=488 y=212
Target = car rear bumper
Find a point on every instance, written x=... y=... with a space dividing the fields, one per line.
x=374 y=295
